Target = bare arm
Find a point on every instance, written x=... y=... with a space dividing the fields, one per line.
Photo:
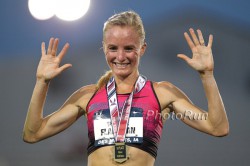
x=216 y=110
x=36 y=126
x=214 y=121
x=202 y=61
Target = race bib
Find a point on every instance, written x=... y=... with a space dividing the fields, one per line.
x=103 y=129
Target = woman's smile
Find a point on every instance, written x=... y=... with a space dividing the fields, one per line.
x=120 y=65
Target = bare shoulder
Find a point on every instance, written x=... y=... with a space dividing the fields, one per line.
x=84 y=92
x=82 y=96
x=88 y=89
x=164 y=87
x=167 y=93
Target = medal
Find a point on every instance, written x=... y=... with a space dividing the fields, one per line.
x=120 y=152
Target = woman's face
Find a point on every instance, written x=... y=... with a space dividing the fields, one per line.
x=123 y=49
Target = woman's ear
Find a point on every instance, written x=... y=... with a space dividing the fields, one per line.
x=143 y=48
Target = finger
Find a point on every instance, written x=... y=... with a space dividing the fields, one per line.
x=195 y=39
x=63 y=51
x=189 y=40
x=55 y=46
x=210 y=41
x=43 y=48
x=51 y=41
x=201 y=39
x=64 y=67
x=184 y=57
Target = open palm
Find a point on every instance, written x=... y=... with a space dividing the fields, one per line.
x=49 y=65
x=202 y=59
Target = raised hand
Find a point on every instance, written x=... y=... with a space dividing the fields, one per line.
x=202 y=59
x=49 y=65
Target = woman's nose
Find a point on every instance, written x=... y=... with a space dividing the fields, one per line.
x=121 y=56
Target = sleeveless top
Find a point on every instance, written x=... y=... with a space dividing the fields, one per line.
x=145 y=101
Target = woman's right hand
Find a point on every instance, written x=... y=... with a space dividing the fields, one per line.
x=48 y=67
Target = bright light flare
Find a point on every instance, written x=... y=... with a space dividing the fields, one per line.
x=68 y=10
x=41 y=9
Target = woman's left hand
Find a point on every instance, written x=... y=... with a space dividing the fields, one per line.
x=202 y=59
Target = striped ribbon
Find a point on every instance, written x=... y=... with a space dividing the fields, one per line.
x=120 y=119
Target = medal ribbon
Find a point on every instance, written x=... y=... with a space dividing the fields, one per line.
x=120 y=120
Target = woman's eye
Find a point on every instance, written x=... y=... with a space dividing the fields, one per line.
x=112 y=48
x=129 y=49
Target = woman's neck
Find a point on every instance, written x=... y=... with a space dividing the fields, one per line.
x=126 y=85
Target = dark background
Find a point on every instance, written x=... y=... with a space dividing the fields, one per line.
x=165 y=22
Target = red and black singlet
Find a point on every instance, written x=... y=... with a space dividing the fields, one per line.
x=144 y=102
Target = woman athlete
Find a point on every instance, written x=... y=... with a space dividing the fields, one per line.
x=125 y=110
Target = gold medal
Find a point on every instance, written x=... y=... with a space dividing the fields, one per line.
x=120 y=152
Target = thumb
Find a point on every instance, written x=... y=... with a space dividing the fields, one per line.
x=64 y=67
x=183 y=57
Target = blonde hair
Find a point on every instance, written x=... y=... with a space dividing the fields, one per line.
x=103 y=80
x=127 y=18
